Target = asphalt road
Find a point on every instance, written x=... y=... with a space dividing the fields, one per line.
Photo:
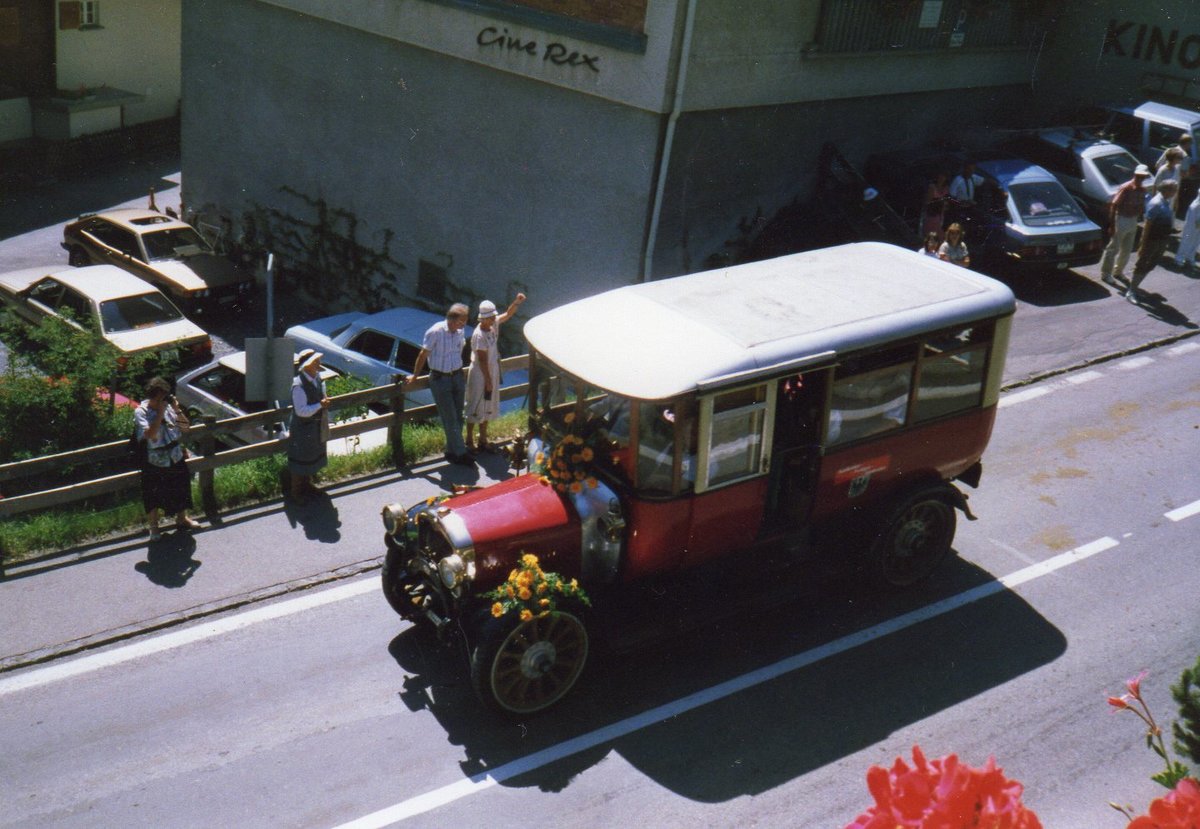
x=324 y=710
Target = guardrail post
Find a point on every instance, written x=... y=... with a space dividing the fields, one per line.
x=396 y=429
x=208 y=446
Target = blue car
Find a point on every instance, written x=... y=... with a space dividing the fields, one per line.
x=381 y=347
x=1023 y=216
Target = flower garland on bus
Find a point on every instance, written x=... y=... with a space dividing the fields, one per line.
x=530 y=591
x=570 y=466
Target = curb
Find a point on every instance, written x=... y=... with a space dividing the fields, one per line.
x=169 y=620
x=109 y=637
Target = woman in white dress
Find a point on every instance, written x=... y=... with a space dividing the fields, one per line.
x=1189 y=240
x=483 y=377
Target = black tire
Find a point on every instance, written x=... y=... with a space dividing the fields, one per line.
x=78 y=258
x=915 y=539
x=521 y=668
x=393 y=589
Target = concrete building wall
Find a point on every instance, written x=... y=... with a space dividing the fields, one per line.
x=136 y=48
x=497 y=179
x=1120 y=51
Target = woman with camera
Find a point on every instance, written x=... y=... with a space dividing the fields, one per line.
x=166 y=483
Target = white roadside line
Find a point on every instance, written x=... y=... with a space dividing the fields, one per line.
x=1133 y=362
x=157 y=644
x=1176 y=351
x=481 y=782
x=1048 y=386
x=1186 y=511
x=1023 y=395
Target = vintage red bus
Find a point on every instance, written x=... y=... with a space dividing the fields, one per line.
x=678 y=421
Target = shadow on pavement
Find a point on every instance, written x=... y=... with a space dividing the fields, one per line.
x=318 y=516
x=60 y=200
x=1050 y=288
x=169 y=561
x=825 y=704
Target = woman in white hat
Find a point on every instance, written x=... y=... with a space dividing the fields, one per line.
x=309 y=429
x=483 y=377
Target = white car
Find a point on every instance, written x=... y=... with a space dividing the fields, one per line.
x=119 y=307
x=380 y=347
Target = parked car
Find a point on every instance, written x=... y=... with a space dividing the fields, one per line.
x=1147 y=129
x=1090 y=168
x=714 y=418
x=1023 y=216
x=380 y=347
x=129 y=313
x=161 y=249
x=219 y=389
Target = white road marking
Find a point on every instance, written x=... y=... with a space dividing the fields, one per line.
x=486 y=780
x=1179 y=350
x=1084 y=377
x=1133 y=362
x=1186 y=511
x=1023 y=395
x=167 y=641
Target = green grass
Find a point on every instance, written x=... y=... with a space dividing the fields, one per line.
x=250 y=482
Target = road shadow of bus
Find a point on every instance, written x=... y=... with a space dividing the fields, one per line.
x=713 y=743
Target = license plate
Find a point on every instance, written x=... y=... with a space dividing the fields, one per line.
x=1066 y=247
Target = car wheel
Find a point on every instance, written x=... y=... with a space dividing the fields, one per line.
x=393 y=575
x=78 y=258
x=915 y=539
x=521 y=667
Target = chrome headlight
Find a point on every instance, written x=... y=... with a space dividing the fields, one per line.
x=451 y=570
x=394 y=518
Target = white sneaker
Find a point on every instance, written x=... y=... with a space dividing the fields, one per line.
x=1107 y=279
x=1132 y=296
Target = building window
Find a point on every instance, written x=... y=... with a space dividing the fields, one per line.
x=904 y=25
x=89 y=17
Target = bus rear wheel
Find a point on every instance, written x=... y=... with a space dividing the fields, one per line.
x=915 y=539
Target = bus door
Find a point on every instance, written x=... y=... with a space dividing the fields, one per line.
x=800 y=402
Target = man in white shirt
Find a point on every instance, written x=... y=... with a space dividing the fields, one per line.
x=442 y=350
x=964 y=185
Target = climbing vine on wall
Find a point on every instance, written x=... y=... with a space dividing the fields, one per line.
x=317 y=247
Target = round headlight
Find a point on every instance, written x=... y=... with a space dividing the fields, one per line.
x=394 y=518
x=451 y=570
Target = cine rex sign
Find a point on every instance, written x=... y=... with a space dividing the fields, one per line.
x=1140 y=41
x=554 y=52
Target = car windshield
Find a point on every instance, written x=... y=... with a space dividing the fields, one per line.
x=1116 y=168
x=1045 y=203
x=132 y=312
x=174 y=242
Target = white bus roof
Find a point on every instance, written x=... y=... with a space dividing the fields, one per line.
x=657 y=340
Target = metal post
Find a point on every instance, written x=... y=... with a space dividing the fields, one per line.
x=270 y=295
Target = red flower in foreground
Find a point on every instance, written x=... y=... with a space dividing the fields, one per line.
x=944 y=794
x=1178 y=810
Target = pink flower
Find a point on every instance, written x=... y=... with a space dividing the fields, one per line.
x=1180 y=809
x=1135 y=685
x=1119 y=703
x=944 y=794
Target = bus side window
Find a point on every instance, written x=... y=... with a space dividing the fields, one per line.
x=953 y=367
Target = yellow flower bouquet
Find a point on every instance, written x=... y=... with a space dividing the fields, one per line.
x=530 y=591
x=570 y=466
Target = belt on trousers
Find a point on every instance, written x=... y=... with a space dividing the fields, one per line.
x=439 y=374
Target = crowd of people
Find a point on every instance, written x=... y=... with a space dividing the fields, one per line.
x=1152 y=197
x=472 y=401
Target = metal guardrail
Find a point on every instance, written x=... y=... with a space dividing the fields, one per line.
x=203 y=437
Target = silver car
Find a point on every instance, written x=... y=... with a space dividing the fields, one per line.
x=219 y=389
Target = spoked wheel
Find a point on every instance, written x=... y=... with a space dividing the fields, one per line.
x=915 y=540
x=523 y=667
x=392 y=576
